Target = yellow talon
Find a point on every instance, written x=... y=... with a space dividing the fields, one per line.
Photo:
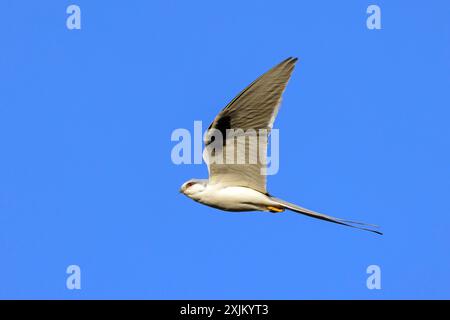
x=275 y=209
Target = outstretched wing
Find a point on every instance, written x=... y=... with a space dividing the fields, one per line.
x=254 y=108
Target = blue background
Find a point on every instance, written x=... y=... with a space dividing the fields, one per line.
x=86 y=176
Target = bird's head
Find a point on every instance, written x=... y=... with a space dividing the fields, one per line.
x=192 y=187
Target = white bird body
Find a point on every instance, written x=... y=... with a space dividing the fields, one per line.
x=242 y=186
x=233 y=198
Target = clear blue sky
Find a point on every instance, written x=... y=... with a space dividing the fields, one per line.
x=86 y=176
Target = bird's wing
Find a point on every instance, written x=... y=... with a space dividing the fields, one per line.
x=254 y=108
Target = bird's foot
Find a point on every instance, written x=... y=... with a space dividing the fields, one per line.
x=275 y=209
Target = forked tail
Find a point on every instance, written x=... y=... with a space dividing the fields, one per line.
x=348 y=223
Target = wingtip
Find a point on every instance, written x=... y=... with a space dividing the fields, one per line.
x=289 y=60
x=292 y=59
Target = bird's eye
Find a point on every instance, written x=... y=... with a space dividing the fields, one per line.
x=190 y=184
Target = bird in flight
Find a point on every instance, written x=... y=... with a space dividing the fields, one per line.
x=241 y=185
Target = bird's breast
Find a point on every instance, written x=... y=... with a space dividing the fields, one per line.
x=234 y=198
